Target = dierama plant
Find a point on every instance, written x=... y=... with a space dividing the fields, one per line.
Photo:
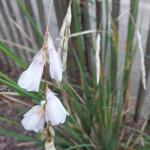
x=97 y=104
x=50 y=112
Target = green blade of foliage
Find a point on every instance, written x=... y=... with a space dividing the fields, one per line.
x=8 y=52
x=88 y=97
x=31 y=21
x=76 y=27
x=4 y=79
x=18 y=137
x=129 y=48
x=79 y=146
x=61 y=141
x=21 y=137
x=4 y=119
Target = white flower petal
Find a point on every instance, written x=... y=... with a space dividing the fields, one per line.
x=34 y=119
x=30 y=79
x=54 y=61
x=34 y=109
x=55 y=111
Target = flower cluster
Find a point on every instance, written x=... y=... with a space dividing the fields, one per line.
x=50 y=111
x=30 y=79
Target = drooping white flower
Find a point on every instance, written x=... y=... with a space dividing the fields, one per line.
x=54 y=61
x=54 y=110
x=34 y=119
x=30 y=79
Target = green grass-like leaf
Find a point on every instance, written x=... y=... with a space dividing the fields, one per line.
x=8 y=52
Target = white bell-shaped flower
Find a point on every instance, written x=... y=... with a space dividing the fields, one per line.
x=54 y=110
x=31 y=78
x=34 y=119
x=54 y=61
